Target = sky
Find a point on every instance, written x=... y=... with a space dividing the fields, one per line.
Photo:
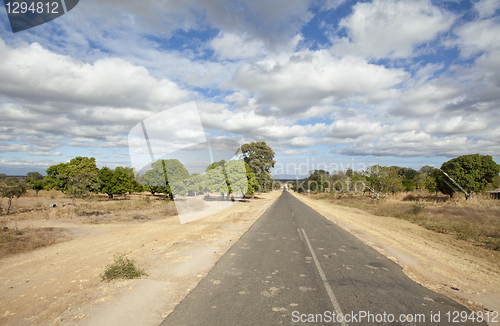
x=326 y=83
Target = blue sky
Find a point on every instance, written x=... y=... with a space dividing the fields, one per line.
x=385 y=82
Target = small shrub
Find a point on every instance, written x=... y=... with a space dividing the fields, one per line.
x=39 y=204
x=417 y=208
x=465 y=230
x=493 y=244
x=122 y=267
x=52 y=197
x=410 y=198
x=146 y=199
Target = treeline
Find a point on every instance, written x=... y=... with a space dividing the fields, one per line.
x=80 y=177
x=468 y=174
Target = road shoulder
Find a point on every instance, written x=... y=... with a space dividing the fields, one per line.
x=437 y=261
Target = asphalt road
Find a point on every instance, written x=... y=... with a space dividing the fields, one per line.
x=295 y=267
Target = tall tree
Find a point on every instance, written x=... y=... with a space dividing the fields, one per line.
x=35 y=175
x=114 y=182
x=155 y=179
x=195 y=184
x=12 y=189
x=236 y=176
x=58 y=176
x=318 y=180
x=251 y=180
x=467 y=173
x=382 y=179
x=135 y=185
x=176 y=176
x=260 y=158
x=35 y=181
x=166 y=176
x=215 y=179
x=81 y=185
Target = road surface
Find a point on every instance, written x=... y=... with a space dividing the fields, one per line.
x=295 y=267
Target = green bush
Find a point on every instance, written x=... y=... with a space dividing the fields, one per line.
x=122 y=267
x=417 y=208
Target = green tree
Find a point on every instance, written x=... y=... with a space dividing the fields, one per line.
x=135 y=185
x=155 y=179
x=12 y=189
x=251 y=180
x=35 y=181
x=427 y=170
x=382 y=179
x=317 y=181
x=431 y=184
x=114 y=182
x=176 y=177
x=495 y=184
x=58 y=176
x=105 y=176
x=81 y=185
x=195 y=184
x=409 y=184
x=467 y=173
x=425 y=179
x=260 y=158
x=215 y=179
x=34 y=175
x=236 y=176
x=166 y=176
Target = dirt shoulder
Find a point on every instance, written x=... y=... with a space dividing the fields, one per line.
x=457 y=269
x=60 y=284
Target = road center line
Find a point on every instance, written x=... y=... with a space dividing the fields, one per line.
x=300 y=235
x=334 y=301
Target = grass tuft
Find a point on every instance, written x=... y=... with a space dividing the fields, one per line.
x=122 y=268
x=417 y=208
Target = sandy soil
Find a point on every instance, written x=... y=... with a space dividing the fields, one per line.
x=458 y=269
x=60 y=284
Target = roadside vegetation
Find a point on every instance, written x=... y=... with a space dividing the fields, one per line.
x=476 y=220
x=22 y=230
x=426 y=197
x=14 y=240
x=122 y=268
x=80 y=192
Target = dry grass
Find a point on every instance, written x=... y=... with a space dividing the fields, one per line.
x=96 y=210
x=14 y=241
x=477 y=219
